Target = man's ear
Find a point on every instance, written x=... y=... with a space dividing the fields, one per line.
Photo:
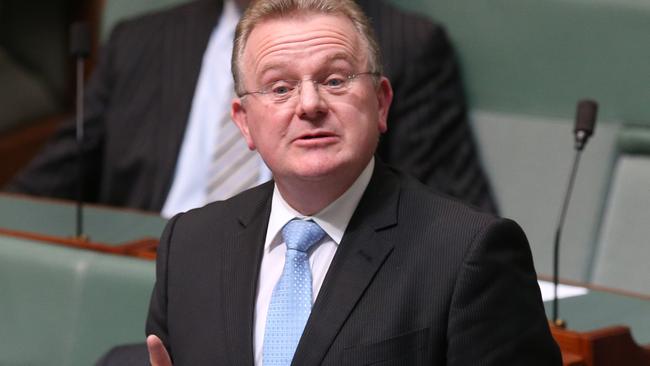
x=238 y=114
x=384 y=99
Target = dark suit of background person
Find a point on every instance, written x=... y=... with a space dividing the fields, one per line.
x=418 y=279
x=139 y=99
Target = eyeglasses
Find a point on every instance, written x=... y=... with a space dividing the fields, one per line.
x=281 y=91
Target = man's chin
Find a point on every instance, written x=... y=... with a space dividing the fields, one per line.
x=318 y=170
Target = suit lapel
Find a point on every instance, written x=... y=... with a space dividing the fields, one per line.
x=243 y=253
x=184 y=40
x=360 y=255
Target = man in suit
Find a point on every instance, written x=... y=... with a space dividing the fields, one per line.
x=340 y=260
x=145 y=94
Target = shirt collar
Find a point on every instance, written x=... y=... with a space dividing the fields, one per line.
x=333 y=219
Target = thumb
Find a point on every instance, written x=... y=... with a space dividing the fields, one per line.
x=158 y=355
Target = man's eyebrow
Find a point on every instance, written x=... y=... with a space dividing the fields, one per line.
x=340 y=56
x=282 y=65
x=273 y=66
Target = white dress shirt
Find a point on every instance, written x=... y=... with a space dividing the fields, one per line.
x=212 y=97
x=333 y=219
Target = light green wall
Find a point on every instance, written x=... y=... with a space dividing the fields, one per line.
x=540 y=57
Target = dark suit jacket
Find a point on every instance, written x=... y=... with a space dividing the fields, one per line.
x=418 y=279
x=139 y=99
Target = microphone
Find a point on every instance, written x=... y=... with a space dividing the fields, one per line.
x=585 y=122
x=80 y=49
x=584 y=128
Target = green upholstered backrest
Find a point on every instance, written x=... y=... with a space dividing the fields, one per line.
x=528 y=159
x=114 y=303
x=66 y=306
x=58 y=218
x=63 y=306
x=623 y=254
x=37 y=306
x=634 y=140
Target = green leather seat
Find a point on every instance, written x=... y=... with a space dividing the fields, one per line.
x=63 y=306
x=67 y=306
x=623 y=253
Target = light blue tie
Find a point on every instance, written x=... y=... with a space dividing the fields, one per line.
x=291 y=300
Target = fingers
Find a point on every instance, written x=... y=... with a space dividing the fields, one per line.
x=158 y=355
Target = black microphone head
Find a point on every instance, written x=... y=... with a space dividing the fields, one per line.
x=79 y=39
x=585 y=121
x=586 y=116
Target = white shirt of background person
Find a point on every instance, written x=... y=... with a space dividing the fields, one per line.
x=214 y=91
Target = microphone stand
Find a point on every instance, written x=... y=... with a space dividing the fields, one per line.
x=80 y=48
x=584 y=127
x=558 y=234
x=80 y=138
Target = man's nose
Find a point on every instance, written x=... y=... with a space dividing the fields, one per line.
x=311 y=104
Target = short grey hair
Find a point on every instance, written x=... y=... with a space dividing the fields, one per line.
x=262 y=10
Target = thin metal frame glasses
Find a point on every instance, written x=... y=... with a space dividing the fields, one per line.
x=280 y=91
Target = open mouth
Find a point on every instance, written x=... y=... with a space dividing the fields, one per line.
x=318 y=137
x=311 y=137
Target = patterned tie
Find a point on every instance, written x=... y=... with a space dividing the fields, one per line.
x=291 y=300
x=234 y=167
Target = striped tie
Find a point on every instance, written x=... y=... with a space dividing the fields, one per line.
x=234 y=167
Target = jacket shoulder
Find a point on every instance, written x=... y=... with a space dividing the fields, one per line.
x=236 y=210
x=453 y=220
x=439 y=203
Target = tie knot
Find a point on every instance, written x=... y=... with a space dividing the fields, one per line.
x=301 y=234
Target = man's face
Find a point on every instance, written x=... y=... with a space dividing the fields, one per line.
x=315 y=134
